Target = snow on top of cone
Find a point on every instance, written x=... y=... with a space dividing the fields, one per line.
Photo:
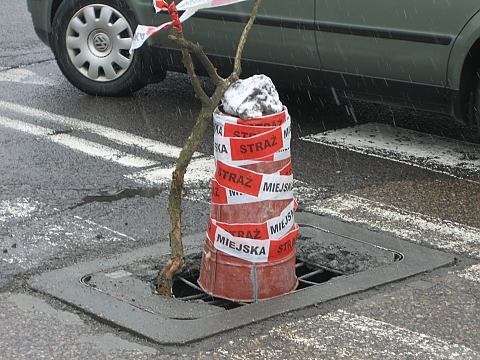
x=253 y=97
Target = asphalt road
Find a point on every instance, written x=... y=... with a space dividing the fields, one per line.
x=86 y=177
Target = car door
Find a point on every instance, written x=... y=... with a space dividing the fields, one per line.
x=380 y=46
x=281 y=44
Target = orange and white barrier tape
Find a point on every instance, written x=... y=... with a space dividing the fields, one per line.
x=262 y=186
x=273 y=229
x=254 y=250
x=235 y=142
x=241 y=142
x=224 y=196
x=190 y=7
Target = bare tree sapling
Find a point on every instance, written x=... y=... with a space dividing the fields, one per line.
x=209 y=103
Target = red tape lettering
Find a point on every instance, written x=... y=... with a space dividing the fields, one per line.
x=258 y=146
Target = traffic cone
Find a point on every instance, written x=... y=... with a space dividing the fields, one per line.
x=249 y=251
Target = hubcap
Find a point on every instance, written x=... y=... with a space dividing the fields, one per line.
x=101 y=42
x=98 y=40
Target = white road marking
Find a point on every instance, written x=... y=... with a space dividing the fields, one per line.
x=198 y=170
x=109 y=343
x=359 y=337
x=472 y=273
x=95 y=149
x=431 y=152
x=72 y=142
x=118 y=274
x=72 y=232
x=98 y=226
x=118 y=136
x=30 y=303
x=22 y=208
x=25 y=127
x=25 y=76
x=412 y=226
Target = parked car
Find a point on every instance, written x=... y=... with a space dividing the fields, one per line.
x=423 y=55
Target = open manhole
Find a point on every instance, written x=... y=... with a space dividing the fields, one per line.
x=138 y=289
x=186 y=288
x=120 y=290
x=316 y=262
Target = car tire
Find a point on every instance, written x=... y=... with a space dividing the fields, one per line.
x=476 y=102
x=91 y=41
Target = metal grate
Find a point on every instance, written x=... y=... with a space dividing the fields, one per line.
x=186 y=289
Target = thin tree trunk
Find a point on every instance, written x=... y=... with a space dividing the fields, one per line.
x=177 y=257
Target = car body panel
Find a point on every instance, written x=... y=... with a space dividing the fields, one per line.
x=281 y=29
x=462 y=45
x=421 y=37
x=290 y=28
x=41 y=17
x=398 y=52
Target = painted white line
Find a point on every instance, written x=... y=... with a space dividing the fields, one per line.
x=118 y=274
x=22 y=208
x=69 y=233
x=25 y=127
x=472 y=273
x=346 y=335
x=25 y=76
x=85 y=146
x=98 y=226
x=118 y=136
x=94 y=149
x=416 y=227
x=198 y=170
x=410 y=147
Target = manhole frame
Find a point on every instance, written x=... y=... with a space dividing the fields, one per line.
x=64 y=284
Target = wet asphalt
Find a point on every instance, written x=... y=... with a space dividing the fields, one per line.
x=432 y=315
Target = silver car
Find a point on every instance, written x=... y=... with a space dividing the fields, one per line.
x=423 y=54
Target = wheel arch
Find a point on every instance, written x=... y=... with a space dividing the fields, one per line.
x=464 y=62
x=141 y=17
x=54 y=9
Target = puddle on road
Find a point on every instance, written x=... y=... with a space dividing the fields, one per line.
x=115 y=195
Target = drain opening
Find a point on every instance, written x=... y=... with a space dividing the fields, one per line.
x=309 y=275
x=185 y=288
x=316 y=262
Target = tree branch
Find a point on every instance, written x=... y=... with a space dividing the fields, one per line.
x=204 y=118
x=237 y=67
x=197 y=49
x=197 y=86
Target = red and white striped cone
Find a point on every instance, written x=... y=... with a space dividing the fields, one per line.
x=249 y=252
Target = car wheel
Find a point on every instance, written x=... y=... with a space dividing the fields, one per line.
x=91 y=41
x=476 y=101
